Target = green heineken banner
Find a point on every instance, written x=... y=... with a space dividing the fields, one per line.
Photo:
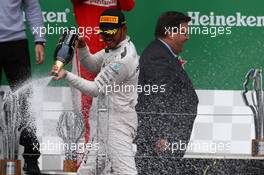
x=226 y=37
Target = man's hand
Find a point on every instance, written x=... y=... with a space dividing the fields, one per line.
x=62 y=73
x=39 y=49
x=161 y=146
x=80 y=43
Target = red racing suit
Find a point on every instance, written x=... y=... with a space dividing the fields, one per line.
x=87 y=14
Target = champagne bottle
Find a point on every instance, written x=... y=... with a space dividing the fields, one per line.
x=65 y=49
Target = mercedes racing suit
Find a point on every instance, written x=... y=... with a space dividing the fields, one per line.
x=87 y=14
x=116 y=84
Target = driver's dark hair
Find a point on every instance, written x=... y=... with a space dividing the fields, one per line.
x=168 y=20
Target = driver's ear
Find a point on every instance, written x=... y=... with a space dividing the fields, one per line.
x=124 y=28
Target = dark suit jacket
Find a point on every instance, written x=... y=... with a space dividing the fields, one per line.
x=158 y=66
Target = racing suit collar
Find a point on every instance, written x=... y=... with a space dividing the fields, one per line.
x=123 y=42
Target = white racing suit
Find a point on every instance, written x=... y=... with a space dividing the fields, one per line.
x=114 y=122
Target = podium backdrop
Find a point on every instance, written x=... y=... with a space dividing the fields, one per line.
x=213 y=62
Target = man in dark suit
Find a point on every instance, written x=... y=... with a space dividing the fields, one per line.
x=165 y=117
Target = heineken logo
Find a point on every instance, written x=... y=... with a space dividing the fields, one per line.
x=58 y=17
x=236 y=20
x=54 y=16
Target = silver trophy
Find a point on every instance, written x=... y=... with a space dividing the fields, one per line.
x=256 y=104
x=11 y=126
x=70 y=128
